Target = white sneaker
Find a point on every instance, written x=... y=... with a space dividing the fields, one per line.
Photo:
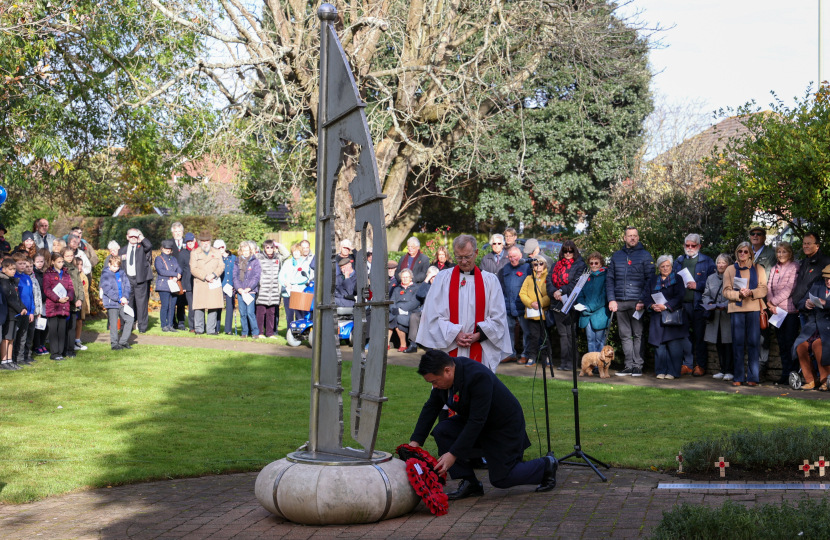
x=728 y=377
x=669 y=377
x=80 y=346
x=718 y=376
x=661 y=376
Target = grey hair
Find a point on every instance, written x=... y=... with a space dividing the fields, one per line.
x=724 y=257
x=742 y=245
x=132 y=230
x=413 y=240
x=407 y=271
x=176 y=225
x=694 y=237
x=497 y=237
x=113 y=245
x=464 y=239
x=517 y=248
x=664 y=258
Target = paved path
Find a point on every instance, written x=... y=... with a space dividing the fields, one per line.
x=224 y=507
x=272 y=349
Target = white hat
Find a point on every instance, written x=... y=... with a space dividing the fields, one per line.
x=346 y=243
x=219 y=244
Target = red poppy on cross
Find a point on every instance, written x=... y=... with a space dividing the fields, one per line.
x=820 y=465
x=722 y=465
x=679 y=460
x=806 y=468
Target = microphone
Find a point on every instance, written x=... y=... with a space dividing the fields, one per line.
x=303 y=274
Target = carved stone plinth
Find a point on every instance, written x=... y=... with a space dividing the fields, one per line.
x=309 y=489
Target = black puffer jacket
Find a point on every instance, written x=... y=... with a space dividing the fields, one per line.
x=628 y=273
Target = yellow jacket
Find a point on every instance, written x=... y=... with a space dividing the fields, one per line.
x=527 y=295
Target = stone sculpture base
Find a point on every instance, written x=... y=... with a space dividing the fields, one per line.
x=332 y=490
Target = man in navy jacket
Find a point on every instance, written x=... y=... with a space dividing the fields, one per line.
x=628 y=275
x=701 y=266
x=511 y=278
x=487 y=417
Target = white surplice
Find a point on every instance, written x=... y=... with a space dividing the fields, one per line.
x=437 y=332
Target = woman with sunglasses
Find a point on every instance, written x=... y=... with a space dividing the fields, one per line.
x=560 y=283
x=745 y=304
x=594 y=319
x=532 y=285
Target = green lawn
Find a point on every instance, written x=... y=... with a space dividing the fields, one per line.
x=99 y=324
x=164 y=412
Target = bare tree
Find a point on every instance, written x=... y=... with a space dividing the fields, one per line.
x=433 y=72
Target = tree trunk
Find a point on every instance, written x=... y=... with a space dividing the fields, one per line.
x=398 y=232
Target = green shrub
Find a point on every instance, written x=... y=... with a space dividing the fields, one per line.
x=758 y=450
x=95 y=304
x=808 y=519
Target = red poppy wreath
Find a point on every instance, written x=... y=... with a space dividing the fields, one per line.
x=420 y=469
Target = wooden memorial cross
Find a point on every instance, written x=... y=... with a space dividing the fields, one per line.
x=820 y=465
x=806 y=468
x=722 y=465
x=679 y=460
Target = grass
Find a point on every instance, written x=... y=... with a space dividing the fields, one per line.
x=99 y=324
x=162 y=412
x=808 y=519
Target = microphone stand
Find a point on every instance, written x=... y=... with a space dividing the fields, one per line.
x=542 y=327
x=578 y=453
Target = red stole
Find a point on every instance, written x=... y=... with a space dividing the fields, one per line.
x=455 y=285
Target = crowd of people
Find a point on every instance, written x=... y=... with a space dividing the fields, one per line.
x=734 y=302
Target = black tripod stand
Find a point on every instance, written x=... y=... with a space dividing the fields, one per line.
x=544 y=332
x=578 y=453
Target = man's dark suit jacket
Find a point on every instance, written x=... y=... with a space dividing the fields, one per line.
x=419 y=267
x=143 y=256
x=493 y=415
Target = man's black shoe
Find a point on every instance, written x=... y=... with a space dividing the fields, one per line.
x=466 y=489
x=478 y=463
x=116 y=347
x=411 y=349
x=126 y=346
x=549 y=476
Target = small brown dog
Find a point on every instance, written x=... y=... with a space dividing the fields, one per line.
x=600 y=360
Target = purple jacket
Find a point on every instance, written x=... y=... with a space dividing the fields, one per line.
x=252 y=274
x=53 y=307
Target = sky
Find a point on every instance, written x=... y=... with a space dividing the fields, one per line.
x=728 y=52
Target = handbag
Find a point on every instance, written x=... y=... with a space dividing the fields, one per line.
x=764 y=319
x=178 y=280
x=671 y=318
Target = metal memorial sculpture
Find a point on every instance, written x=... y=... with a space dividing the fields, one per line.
x=325 y=481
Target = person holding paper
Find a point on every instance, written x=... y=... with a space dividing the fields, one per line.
x=594 y=319
x=169 y=272
x=229 y=260
x=669 y=289
x=560 y=283
x=814 y=333
x=698 y=267
x=116 y=286
x=57 y=284
x=39 y=266
x=136 y=259
x=745 y=304
x=294 y=275
x=268 y=298
x=75 y=306
x=537 y=283
x=718 y=328
x=246 y=275
x=207 y=267
x=629 y=272
x=464 y=314
x=779 y=300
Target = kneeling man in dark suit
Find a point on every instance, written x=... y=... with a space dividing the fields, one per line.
x=487 y=418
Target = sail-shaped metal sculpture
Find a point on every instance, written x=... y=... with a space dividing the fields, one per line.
x=342 y=127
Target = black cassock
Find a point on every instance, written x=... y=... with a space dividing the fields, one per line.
x=488 y=421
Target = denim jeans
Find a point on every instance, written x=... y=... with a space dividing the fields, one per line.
x=168 y=308
x=746 y=335
x=596 y=338
x=247 y=316
x=669 y=358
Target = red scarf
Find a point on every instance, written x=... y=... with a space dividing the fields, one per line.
x=455 y=285
x=559 y=275
x=409 y=262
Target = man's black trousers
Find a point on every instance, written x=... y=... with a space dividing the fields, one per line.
x=504 y=458
x=139 y=301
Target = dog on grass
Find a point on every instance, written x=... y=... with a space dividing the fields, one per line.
x=600 y=360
